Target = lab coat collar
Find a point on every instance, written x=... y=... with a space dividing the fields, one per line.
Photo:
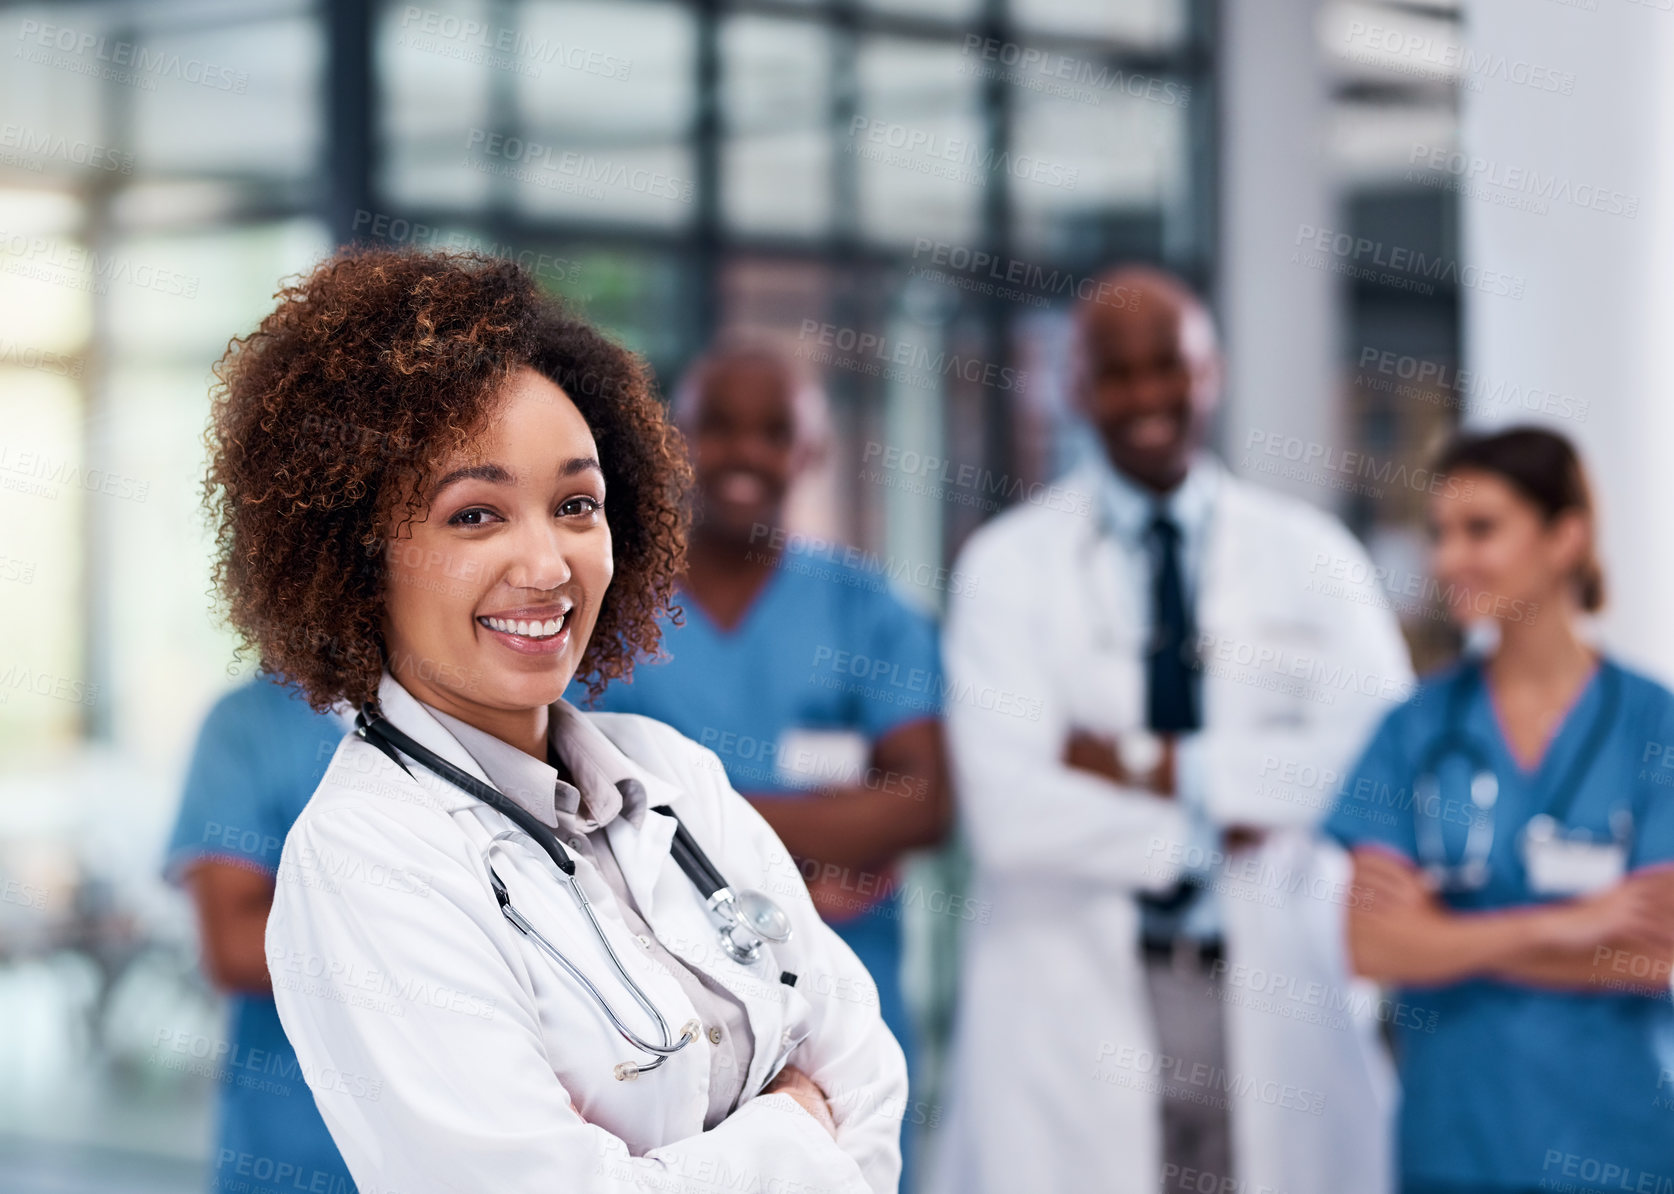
x=1126 y=508
x=614 y=785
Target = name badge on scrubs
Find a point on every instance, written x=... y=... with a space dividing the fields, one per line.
x=1559 y=865
x=821 y=758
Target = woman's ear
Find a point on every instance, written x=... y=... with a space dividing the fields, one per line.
x=1570 y=536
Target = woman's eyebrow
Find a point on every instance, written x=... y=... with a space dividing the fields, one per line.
x=492 y=473
x=578 y=464
x=498 y=475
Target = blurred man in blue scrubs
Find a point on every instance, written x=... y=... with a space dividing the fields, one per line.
x=818 y=688
x=259 y=756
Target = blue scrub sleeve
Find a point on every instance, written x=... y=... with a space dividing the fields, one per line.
x=227 y=811
x=906 y=639
x=1374 y=804
x=1653 y=839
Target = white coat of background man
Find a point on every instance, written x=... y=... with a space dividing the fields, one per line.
x=1158 y=998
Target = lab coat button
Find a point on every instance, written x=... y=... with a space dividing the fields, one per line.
x=715 y=1035
x=643 y=940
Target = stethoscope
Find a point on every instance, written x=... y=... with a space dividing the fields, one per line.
x=1470 y=873
x=745 y=919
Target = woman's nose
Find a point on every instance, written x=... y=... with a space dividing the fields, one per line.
x=539 y=559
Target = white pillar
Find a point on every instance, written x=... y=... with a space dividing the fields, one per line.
x=1279 y=319
x=1586 y=348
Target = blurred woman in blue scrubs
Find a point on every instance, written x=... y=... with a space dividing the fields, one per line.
x=1511 y=833
x=260 y=754
x=817 y=687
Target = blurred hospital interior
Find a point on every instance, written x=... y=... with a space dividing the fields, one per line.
x=1362 y=190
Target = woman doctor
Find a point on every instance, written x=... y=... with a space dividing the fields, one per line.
x=439 y=496
x=1511 y=829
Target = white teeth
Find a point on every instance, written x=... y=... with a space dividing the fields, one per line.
x=526 y=629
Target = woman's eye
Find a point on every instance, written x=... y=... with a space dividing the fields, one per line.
x=474 y=517
x=580 y=505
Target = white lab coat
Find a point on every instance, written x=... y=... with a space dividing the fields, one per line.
x=446 y=1053
x=1054 y=1074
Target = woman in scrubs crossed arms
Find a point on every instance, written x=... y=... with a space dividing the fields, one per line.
x=1511 y=831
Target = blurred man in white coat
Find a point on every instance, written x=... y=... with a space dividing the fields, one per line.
x=1159 y=998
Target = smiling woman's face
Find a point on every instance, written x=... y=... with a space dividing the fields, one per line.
x=1494 y=553
x=491 y=600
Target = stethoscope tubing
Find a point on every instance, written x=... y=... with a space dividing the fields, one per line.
x=377 y=730
x=669 y=1045
x=1454 y=740
x=691 y=858
x=688 y=854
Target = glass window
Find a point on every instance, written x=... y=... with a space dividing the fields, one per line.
x=165 y=331
x=44 y=687
x=776 y=83
x=917 y=142
x=248 y=93
x=1142 y=23
x=963 y=10
x=434 y=103
x=1081 y=158
x=643 y=297
x=617 y=71
x=52 y=114
x=604 y=120
x=46 y=314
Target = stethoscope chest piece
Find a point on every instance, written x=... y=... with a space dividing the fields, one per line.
x=1554 y=860
x=1485 y=790
x=747 y=920
x=1471 y=871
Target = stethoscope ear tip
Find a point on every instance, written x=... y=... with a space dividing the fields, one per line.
x=627 y=1071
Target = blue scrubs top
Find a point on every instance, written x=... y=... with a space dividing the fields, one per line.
x=824 y=646
x=1508 y=1087
x=260 y=754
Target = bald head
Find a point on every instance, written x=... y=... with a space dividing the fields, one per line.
x=754 y=420
x=1148 y=373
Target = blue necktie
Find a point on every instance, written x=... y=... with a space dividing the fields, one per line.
x=1172 y=703
x=1172 y=700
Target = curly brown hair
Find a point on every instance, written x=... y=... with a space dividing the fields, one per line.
x=327 y=420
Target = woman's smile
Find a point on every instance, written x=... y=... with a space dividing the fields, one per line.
x=543 y=630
